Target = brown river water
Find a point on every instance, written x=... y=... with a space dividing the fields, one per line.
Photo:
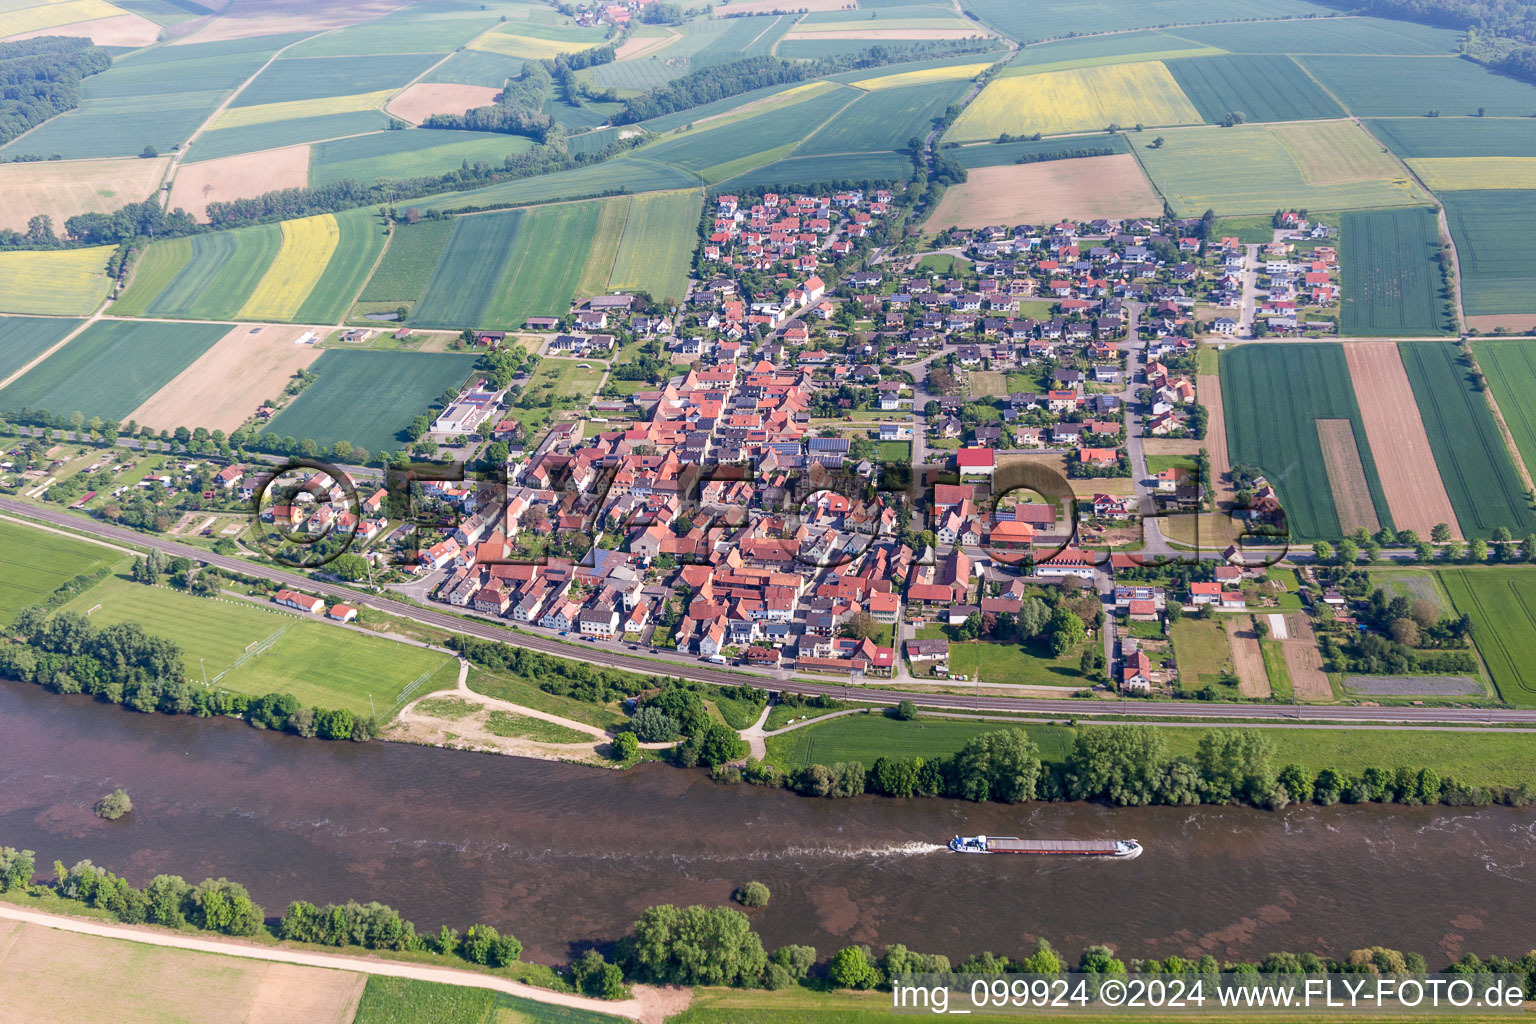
x=564 y=855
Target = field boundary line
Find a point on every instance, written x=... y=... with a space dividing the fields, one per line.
x=629 y=211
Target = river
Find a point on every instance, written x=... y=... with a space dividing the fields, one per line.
x=564 y=854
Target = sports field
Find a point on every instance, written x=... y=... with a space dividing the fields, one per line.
x=34 y=563
x=306 y=249
x=62 y=188
x=323 y=665
x=24 y=338
x=414 y=250
x=64 y=282
x=1469 y=450
x=1492 y=230
x=885 y=119
x=53 y=975
x=1263 y=87
x=368 y=398
x=110 y=368
x=1510 y=367
x=1391 y=281
x=656 y=250
x=1254 y=169
x=1502 y=604
x=1273 y=396
x=1082 y=99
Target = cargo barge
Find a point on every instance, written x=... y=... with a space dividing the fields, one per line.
x=1116 y=849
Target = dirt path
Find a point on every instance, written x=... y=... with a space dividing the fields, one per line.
x=1303 y=661
x=1248 y=663
x=1208 y=390
x=1404 y=460
x=754 y=734
x=648 y=1005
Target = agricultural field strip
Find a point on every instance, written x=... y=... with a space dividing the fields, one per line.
x=1510 y=367
x=1391 y=282
x=1063 y=101
x=307 y=248
x=1502 y=606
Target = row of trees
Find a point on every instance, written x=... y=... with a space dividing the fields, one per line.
x=1127 y=765
x=123 y=664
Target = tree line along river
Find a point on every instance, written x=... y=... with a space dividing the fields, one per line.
x=562 y=855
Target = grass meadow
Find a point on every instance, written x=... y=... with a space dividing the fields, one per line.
x=405 y=1001
x=403 y=273
x=1501 y=602
x=324 y=665
x=34 y=563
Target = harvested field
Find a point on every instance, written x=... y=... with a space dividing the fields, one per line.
x=237 y=177
x=1404 y=461
x=1172 y=445
x=1303 y=661
x=247 y=19
x=1097 y=186
x=1248 y=662
x=1517 y=323
x=1346 y=476
x=1208 y=390
x=420 y=101
x=63 y=188
x=226 y=384
x=118 y=30
x=1413 y=686
x=52 y=975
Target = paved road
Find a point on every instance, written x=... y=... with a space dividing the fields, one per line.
x=647 y=1004
x=598 y=655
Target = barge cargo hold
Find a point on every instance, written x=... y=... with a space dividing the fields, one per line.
x=1118 y=849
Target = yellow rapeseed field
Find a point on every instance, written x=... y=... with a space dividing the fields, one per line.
x=65 y=282
x=922 y=77
x=18 y=18
x=265 y=113
x=1083 y=99
x=307 y=248
x=1476 y=172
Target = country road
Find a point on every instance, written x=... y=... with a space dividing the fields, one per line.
x=648 y=666
x=648 y=1005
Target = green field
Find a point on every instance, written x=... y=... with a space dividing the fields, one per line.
x=623 y=173
x=1450 y=137
x=1263 y=87
x=885 y=119
x=1248 y=170
x=1510 y=367
x=1501 y=602
x=543 y=263
x=710 y=145
x=867 y=737
x=414 y=250
x=1202 y=651
x=1110 y=49
x=413 y=153
x=656 y=250
x=157 y=267
x=1050 y=19
x=1475 y=466
x=463 y=284
x=361 y=240
x=1413 y=86
x=368 y=398
x=1492 y=231
x=1391 y=281
x=36 y=562
x=1272 y=395
x=111 y=368
x=24 y=338
x=403 y=1001
x=323 y=665
x=219 y=274
x=416 y=28
x=307 y=78
x=809 y=170
x=1330 y=35
x=994 y=154
x=477 y=67
x=252 y=138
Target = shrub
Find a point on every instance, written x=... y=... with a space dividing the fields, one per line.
x=114 y=805
x=625 y=747
x=753 y=894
